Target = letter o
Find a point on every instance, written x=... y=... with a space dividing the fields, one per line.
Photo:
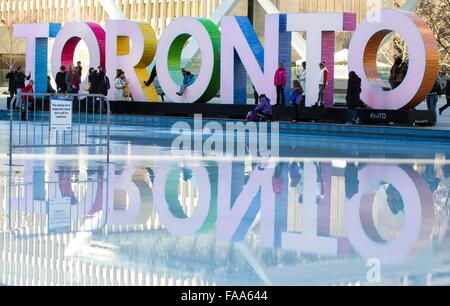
x=419 y=214
x=66 y=42
x=171 y=214
x=423 y=56
x=168 y=58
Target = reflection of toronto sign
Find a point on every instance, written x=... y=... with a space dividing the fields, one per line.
x=234 y=50
x=229 y=205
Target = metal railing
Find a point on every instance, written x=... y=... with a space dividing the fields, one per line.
x=31 y=123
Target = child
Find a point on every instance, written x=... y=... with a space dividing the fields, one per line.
x=263 y=111
x=280 y=80
x=188 y=80
x=296 y=99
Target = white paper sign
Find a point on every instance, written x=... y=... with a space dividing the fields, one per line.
x=59 y=215
x=60 y=115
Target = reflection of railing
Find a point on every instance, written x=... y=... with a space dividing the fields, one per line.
x=62 y=206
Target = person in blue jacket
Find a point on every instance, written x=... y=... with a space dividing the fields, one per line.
x=296 y=100
x=188 y=80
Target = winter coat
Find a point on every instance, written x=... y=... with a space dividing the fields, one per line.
x=189 y=79
x=69 y=80
x=353 y=93
x=102 y=83
x=60 y=81
x=19 y=79
x=11 y=82
x=264 y=106
x=296 y=97
x=280 y=77
x=119 y=84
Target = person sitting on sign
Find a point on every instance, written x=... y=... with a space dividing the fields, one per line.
x=188 y=80
x=262 y=112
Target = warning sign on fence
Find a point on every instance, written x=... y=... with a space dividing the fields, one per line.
x=60 y=115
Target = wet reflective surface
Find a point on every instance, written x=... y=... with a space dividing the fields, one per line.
x=321 y=211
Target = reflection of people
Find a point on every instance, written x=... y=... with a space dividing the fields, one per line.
x=188 y=80
x=65 y=187
x=353 y=96
x=394 y=200
x=277 y=179
x=351 y=180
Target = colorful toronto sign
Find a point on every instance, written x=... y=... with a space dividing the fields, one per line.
x=234 y=52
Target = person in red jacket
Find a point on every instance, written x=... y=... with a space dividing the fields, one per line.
x=26 y=99
x=280 y=80
x=323 y=82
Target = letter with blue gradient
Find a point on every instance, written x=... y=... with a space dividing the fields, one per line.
x=243 y=54
x=36 y=37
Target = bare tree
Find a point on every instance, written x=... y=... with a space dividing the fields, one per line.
x=11 y=48
x=437 y=15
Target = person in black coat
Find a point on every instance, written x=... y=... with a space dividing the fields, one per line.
x=102 y=82
x=92 y=80
x=447 y=95
x=60 y=80
x=11 y=83
x=152 y=77
x=353 y=99
x=19 y=78
x=19 y=84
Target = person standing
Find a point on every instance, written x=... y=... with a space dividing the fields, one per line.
x=396 y=75
x=353 y=96
x=19 y=84
x=79 y=70
x=280 y=80
x=323 y=82
x=103 y=86
x=433 y=98
x=119 y=84
x=50 y=88
x=102 y=82
x=296 y=100
x=447 y=96
x=188 y=80
x=72 y=80
x=302 y=79
x=11 y=84
x=26 y=99
x=91 y=86
x=60 y=80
